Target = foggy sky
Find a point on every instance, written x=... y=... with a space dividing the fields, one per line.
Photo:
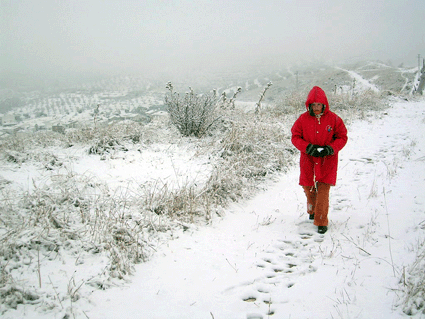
x=60 y=36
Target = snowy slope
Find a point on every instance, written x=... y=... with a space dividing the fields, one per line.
x=262 y=258
x=265 y=258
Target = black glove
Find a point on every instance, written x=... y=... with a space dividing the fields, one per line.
x=312 y=150
x=325 y=151
x=319 y=151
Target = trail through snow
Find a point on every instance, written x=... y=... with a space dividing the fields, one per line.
x=362 y=84
x=265 y=259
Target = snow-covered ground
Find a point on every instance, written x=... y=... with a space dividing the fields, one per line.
x=360 y=83
x=263 y=258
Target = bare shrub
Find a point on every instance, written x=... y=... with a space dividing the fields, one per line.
x=192 y=114
x=262 y=95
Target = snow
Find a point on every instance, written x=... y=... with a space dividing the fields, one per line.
x=263 y=258
x=173 y=165
x=265 y=250
x=361 y=83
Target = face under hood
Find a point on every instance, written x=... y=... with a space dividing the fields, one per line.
x=317 y=95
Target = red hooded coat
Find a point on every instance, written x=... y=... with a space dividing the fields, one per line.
x=328 y=129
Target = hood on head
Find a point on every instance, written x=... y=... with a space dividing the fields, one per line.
x=317 y=95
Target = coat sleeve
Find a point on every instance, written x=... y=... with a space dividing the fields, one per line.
x=297 y=136
x=340 y=135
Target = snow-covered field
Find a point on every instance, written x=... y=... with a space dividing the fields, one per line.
x=266 y=260
x=262 y=258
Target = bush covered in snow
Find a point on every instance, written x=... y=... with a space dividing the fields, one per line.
x=192 y=114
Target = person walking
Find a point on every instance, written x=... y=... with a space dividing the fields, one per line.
x=319 y=135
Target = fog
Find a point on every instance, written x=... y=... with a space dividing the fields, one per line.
x=60 y=37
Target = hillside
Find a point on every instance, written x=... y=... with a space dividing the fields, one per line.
x=138 y=98
x=212 y=226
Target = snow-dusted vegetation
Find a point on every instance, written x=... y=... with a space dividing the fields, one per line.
x=82 y=206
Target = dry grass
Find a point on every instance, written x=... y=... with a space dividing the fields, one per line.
x=348 y=106
x=413 y=284
x=69 y=213
x=252 y=149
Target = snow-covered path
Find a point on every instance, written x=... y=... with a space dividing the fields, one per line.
x=264 y=259
x=362 y=83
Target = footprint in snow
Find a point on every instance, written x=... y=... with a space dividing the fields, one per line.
x=280 y=267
